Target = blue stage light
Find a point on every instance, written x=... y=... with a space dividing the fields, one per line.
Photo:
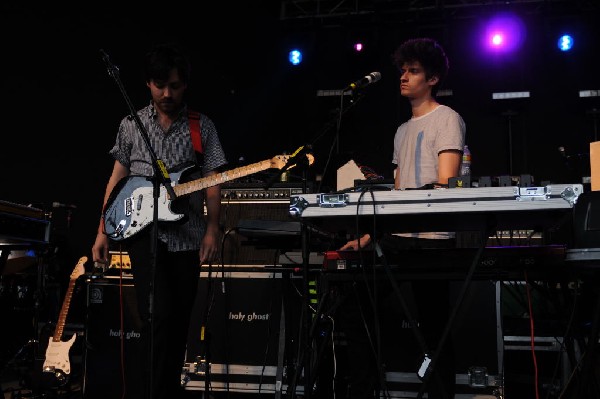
x=295 y=57
x=565 y=43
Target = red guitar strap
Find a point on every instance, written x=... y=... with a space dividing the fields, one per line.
x=195 y=132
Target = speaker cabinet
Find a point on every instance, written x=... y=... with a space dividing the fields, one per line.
x=238 y=327
x=112 y=364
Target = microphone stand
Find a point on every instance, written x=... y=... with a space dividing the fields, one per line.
x=160 y=177
x=338 y=123
x=304 y=360
x=306 y=303
x=206 y=335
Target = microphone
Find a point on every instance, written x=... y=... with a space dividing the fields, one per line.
x=65 y=206
x=365 y=81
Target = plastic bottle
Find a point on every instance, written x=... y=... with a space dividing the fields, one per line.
x=465 y=166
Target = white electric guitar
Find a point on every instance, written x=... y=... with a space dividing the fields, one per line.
x=57 y=353
x=130 y=205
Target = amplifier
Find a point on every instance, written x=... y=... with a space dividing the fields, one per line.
x=119 y=263
x=238 y=332
x=243 y=202
x=106 y=300
x=258 y=191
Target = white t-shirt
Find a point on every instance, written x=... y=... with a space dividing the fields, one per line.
x=417 y=144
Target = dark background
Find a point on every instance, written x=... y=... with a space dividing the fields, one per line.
x=62 y=109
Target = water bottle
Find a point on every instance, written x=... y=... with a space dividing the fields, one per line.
x=465 y=166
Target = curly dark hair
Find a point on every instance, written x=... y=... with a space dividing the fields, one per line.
x=429 y=53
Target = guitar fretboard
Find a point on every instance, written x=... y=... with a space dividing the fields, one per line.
x=210 y=181
x=62 y=317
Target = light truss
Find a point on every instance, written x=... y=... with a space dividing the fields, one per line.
x=327 y=9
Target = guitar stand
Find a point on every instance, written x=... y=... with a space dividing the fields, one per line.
x=26 y=363
x=14 y=373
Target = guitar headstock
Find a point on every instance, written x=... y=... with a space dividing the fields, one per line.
x=280 y=161
x=79 y=269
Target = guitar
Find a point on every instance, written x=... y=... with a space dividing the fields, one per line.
x=129 y=206
x=57 y=353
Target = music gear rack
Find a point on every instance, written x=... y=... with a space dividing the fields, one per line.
x=23 y=224
x=244 y=192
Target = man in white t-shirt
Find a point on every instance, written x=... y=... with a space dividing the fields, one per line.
x=427 y=152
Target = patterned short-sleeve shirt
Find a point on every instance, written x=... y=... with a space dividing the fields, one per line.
x=175 y=149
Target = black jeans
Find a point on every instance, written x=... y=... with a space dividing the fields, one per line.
x=363 y=325
x=175 y=287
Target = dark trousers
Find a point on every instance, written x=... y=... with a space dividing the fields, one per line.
x=365 y=305
x=175 y=286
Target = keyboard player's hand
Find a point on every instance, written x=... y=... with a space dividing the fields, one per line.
x=355 y=245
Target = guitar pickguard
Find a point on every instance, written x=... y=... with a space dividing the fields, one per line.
x=133 y=208
x=57 y=355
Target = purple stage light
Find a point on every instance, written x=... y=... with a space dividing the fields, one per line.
x=504 y=33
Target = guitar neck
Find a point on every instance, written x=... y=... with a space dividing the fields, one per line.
x=62 y=317
x=210 y=181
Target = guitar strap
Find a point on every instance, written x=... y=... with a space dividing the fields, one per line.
x=195 y=132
